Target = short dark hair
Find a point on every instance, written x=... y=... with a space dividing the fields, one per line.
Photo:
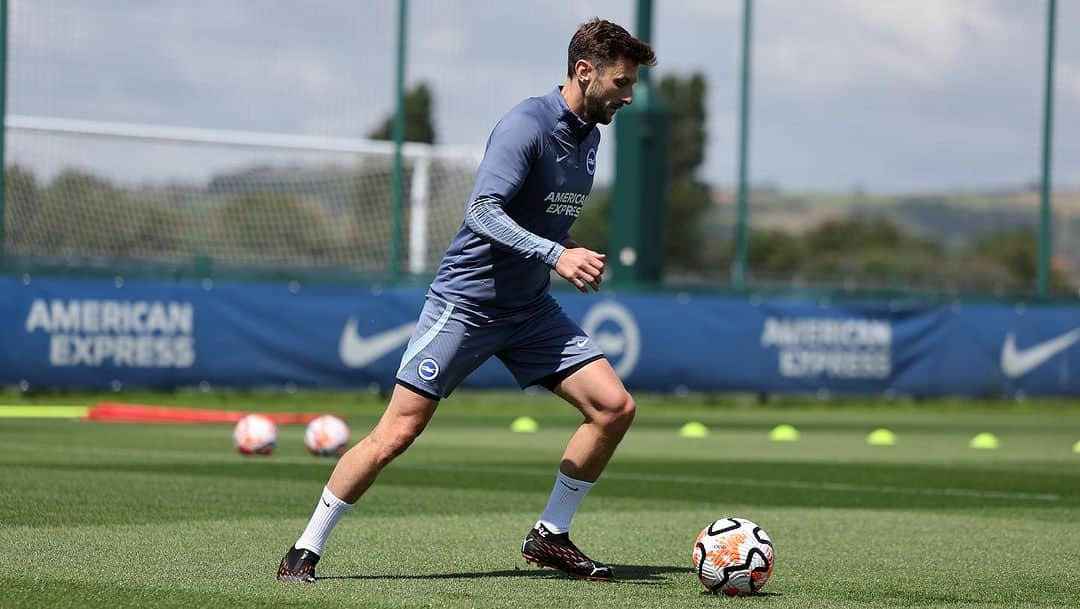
x=603 y=42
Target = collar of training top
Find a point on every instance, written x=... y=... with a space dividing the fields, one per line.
x=580 y=127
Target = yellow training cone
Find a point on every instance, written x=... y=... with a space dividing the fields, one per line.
x=43 y=412
x=693 y=429
x=984 y=441
x=784 y=433
x=881 y=437
x=524 y=425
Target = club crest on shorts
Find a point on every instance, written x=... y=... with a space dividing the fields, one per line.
x=428 y=369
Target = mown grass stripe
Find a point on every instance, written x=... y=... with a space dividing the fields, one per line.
x=838 y=487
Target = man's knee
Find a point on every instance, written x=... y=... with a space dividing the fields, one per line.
x=617 y=411
x=394 y=441
x=627 y=409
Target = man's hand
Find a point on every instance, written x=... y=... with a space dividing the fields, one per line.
x=581 y=267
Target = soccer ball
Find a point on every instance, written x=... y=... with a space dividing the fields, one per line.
x=255 y=435
x=733 y=556
x=326 y=436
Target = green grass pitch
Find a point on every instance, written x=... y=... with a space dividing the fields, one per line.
x=125 y=515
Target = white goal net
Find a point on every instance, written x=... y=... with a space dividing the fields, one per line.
x=83 y=193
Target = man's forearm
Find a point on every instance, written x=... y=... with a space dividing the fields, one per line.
x=487 y=218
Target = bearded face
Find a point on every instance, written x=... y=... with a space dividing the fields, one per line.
x=596 y=105
x=610 y=89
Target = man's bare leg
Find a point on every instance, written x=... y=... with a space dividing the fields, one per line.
x=608 y=410
x=404 y=419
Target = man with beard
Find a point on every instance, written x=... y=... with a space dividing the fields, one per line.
x=490 y=297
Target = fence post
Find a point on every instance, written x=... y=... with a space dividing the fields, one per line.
x=738 y=269
x=1045 y=239
x=640 y=188
x=398 y=190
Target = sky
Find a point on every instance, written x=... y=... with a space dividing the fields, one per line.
x=881 y=95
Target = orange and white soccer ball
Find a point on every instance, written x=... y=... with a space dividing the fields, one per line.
x=255 y=434
x=733 y=556
x=326 y=436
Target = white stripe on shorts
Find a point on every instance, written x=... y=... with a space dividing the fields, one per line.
x=428 y=336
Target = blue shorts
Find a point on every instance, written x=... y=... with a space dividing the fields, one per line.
x=540 y=346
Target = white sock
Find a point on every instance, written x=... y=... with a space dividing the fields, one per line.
x=566 y=497
x=328 y=511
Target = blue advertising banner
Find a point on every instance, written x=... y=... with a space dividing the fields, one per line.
x=86 y=333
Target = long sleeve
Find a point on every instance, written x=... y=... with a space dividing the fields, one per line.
x=513 y=147
x=487 y=218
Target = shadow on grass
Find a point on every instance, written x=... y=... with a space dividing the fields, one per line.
x=624 y=574
x=754 y=595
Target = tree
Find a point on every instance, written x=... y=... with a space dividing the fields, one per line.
x=685 y=99
x=688 y=198
x=82 y=216
x=418 y=124
x=772 y=253
x=1015 y=252
x=271 y=228
x=21 y=198
x=870 y=251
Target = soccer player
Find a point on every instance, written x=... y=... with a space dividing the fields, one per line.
x=490 y=297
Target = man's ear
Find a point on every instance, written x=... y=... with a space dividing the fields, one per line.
x=584 y=71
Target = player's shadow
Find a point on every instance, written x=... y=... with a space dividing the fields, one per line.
x=625 y=574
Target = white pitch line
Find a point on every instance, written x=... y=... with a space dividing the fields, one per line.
x=840 y=487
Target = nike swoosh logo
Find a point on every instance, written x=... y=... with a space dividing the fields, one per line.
x=1018 y=362
x=575 y=489
x=583 y=342
x=357 y=351
x=326 y=503
x=561 y=158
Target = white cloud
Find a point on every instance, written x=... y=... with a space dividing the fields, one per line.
x=1067 y=77
x=884 y=92
x=916 y=44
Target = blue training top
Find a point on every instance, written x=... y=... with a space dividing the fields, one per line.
x=536 y=173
